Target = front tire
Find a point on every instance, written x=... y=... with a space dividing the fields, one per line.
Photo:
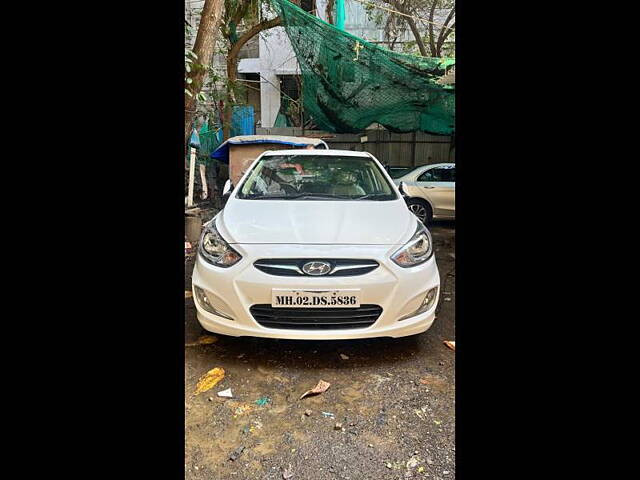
x=420 y=209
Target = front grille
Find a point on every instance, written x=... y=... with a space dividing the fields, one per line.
x=292 y=267
x=316 y=318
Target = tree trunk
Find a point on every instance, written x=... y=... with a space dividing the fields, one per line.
x=412 y=25
x=232 y=74
x=232 y=68
x=444 y=33
x=432 y=41
x=416 y=34
x=203 y=48
x=329 y=11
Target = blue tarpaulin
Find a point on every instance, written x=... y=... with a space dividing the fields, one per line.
x=242 y=121
x=222 y=152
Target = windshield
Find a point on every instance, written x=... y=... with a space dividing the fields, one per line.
x=397 y=172
x=316 y=177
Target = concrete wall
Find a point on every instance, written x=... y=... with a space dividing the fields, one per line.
x=276 y=58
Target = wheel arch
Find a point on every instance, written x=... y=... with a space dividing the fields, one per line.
x=417 y=197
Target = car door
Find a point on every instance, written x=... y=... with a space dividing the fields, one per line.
x=438 y=185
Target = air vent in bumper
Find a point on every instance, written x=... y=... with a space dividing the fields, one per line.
x=316 y=318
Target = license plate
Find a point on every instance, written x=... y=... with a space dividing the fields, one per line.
x=315 y=298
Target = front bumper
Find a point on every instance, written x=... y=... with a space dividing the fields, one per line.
x=399 y=291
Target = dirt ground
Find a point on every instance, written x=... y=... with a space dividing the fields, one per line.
x=394 y=399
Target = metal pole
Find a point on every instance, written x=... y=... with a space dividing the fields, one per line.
x=413 y=149
x=192 y=174
x=340 y=14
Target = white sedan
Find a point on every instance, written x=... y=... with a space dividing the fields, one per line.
x=316 y=244
x=430 y=191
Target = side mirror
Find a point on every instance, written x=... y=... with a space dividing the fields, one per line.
x=402 y=189
x=226 y=192
x=227 y=188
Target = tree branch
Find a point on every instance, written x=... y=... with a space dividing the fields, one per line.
x=412 y=25
x=416 y=34
x=444 y=32
x=432 y=43
x=329 y=11
x=249 y=34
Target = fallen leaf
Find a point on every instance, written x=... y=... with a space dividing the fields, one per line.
x=188 y=294
x=319 y=388
x=288 y=473
x=207 y=339
x=450 y=344
x=433 y=380
x=209 y=380
x=203 y=340
x=344 y=357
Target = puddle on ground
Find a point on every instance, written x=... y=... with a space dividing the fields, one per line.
x=353 y=393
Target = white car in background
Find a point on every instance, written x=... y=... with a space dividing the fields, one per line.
x=430 y=191
x=315 y=244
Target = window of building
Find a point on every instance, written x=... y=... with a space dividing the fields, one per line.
x=307 y=5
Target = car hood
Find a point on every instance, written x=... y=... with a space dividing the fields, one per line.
x=316 y=222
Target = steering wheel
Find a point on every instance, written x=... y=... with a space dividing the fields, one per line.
x=288 y=189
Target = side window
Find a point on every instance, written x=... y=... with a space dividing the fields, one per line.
x=438 y=174
x=450 y=174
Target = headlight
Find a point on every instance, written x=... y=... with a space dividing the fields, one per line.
x=215 y=249
x=417 y=250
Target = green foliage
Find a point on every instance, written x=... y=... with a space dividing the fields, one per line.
x=395 y=25
x=189 y=59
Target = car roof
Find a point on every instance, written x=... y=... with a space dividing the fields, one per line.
x=438 y=164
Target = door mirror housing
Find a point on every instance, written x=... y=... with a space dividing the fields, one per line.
x=226 y=192
x=402 y=189
x=228 y=188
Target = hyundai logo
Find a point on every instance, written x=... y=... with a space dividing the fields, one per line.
x=316 y=268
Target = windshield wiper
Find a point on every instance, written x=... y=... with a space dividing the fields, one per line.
x=371 y=196
x=323 y=195
x=297 y=196
x=273 y=197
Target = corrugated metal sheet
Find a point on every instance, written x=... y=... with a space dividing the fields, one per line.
x=396 y=149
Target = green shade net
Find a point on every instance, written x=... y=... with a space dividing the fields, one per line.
x=348 y=83
x=209 y=141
